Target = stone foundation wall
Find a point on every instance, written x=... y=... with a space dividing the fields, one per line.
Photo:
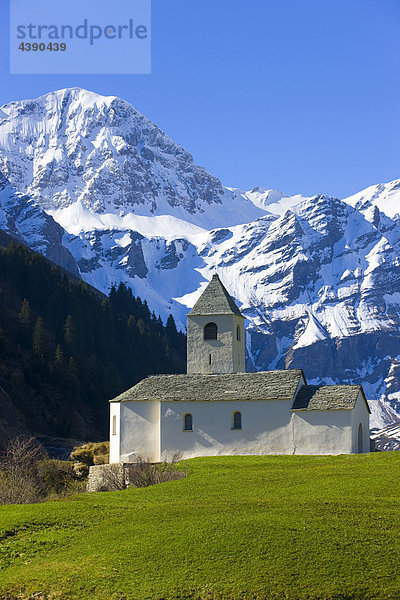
x=118 y=476
x=106 y=478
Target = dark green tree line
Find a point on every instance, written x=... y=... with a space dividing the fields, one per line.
x=65 y=349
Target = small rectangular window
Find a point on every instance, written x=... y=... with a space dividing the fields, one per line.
x=209 y=359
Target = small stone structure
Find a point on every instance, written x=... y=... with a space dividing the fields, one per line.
x=105 y=478
x=119 y=476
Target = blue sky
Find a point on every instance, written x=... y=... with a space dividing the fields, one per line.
x=297 y=95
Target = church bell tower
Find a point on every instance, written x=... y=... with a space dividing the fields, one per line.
x=215 y=333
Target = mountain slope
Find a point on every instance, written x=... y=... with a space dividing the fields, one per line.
x=66 y=350
x=384 y=196
x=25 y=221
x=317 y=278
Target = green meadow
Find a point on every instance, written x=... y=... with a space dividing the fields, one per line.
x=248 y=528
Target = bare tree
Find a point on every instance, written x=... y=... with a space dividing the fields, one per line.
x=19 y=480
x=143 y=473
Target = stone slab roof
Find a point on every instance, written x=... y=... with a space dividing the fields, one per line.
x=264 y=385
x=215 y=300
x=328 y=397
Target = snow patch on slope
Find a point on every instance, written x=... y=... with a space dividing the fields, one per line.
x=314 y=332
x=77 y=218
x=385 y=196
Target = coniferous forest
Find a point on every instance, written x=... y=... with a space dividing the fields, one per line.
x=65 y=349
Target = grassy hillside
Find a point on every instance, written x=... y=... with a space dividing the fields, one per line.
x=235 y=528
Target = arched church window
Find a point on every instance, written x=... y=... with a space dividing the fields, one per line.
x=237 y=420
x=210 y=331
x=238 y=333
x=114 y=425
x=188 y=422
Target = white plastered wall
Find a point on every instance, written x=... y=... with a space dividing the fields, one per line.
x=139 y=431
x=265 y=428
x=154 y=430
x=322 y=432
x=115 y=437
x=360 y=415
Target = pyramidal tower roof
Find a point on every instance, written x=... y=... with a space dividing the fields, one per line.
x=215 y=300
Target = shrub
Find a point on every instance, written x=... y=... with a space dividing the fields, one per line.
x=81 y=470
x=82 y=455
x=27 y=475
x=101 y=453
x=92 y=453
x=19 y=481
x=144 y=473
x=58 y=477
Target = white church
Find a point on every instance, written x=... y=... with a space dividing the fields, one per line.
x=218 y=409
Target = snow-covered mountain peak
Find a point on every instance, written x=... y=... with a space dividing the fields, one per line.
x=73 y=145
x=385 y=196
x=65 y=95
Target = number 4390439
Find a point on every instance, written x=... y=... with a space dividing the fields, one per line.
x=42 y=47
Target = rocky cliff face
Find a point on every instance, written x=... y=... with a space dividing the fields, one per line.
x=91 y=183
x=25 y=221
